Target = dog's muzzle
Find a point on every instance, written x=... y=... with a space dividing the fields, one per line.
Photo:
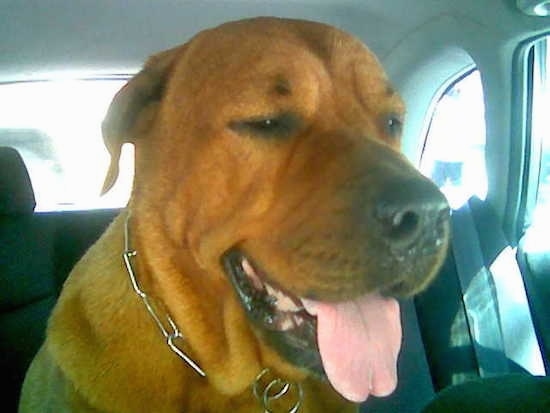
x=385 y=236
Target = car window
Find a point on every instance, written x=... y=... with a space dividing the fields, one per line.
x=534 y=245
x=538 y=205
x=56 y=127
x=454 y=149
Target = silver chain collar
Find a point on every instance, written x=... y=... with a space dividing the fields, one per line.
x=266 y=390
x=166 y=325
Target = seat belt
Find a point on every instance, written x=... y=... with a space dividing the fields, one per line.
x=518 y=331
x=478 y=295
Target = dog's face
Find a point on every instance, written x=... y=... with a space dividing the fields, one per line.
x=288 y=182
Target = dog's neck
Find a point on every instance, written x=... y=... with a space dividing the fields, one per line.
x=164 y=322
x=266 y=388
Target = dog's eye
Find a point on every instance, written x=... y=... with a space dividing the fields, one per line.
x=393 y=126
x=278 y=126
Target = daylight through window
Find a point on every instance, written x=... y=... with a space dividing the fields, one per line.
x=56 y=127
x=454 y=149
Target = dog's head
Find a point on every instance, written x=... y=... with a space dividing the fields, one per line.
x=269 y=149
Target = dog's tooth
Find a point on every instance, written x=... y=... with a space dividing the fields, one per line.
x=251 y=273
x=310 y=306
x=298 y=320
x=269 y=299
x=286 y=324
x=271 y=291
x=247 y=267
x=285 y=303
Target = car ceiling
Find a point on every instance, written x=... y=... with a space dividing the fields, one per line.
x=44 y=37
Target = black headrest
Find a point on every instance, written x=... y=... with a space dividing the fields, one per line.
x=16 y=193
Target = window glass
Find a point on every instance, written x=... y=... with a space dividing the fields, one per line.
x=56 y=127
x=454 y=149
x=541 y=132
x=539 y=213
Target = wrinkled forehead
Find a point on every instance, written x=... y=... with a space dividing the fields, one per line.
x=235 y=46
x=269 y=57
x=325 y=41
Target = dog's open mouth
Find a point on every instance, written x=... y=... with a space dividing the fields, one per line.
x=354 y=344
x=274 y=308
x=279 y=315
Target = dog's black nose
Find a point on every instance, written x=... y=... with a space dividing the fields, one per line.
x=411 y=211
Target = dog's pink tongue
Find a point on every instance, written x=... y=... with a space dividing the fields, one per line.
x=359 y=342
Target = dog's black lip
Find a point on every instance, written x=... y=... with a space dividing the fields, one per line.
x=298 y=344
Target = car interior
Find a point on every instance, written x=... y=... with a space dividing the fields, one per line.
x=475 y=76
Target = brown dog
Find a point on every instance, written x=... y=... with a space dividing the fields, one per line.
x=271 y=217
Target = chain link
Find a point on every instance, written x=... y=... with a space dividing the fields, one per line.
x=276 y=389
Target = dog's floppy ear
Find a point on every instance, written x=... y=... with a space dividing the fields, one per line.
x=133 y=108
